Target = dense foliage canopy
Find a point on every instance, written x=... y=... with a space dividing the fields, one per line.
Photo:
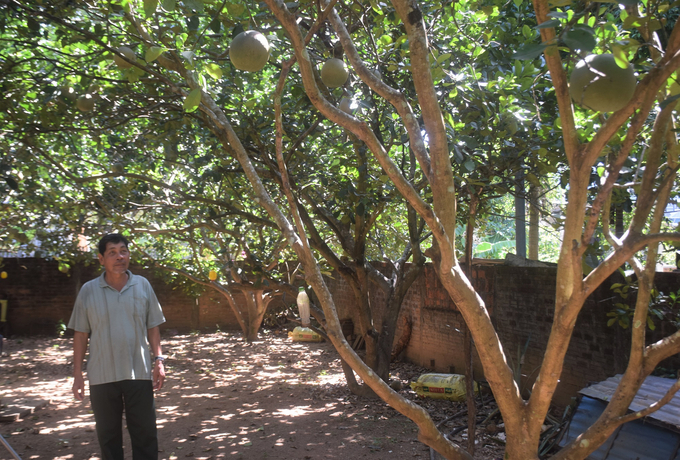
x=451 y=104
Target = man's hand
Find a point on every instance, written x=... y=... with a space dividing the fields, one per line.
x=79 y=387
x=79 y=348
x=158 y=374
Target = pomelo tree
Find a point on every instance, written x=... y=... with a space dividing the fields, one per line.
x=54 y=47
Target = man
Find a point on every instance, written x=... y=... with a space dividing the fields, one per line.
x=120 y=314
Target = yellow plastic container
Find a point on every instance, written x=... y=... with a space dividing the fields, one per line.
x=304 y=334
x=442 y=386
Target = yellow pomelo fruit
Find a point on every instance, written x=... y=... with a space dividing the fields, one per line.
x=212 y=275
x=249 y=51
x=128 y=53
x=334 y=73
x=599 y=84
x=3 y=275
x=85 y=103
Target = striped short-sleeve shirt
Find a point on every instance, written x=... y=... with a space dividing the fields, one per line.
x=117 y=323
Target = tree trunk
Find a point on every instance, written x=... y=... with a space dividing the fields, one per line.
x=257 y=306
x=386 y=332
x=467 y=345
x=534 y=194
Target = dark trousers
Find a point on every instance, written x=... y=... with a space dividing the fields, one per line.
x=136 y=398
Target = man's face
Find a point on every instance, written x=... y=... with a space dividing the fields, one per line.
x=116 y=258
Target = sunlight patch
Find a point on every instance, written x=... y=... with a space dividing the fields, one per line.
x=294 y=412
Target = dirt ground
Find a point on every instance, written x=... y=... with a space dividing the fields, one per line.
x=224 y=398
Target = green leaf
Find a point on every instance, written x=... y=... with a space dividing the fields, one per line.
x=33 y=25
x=169 y=5
x=214 y=71
x=375 y=6
x=153 y=53
x=529 y=52
x=580 y=39
x=193 y=22
x=193 y=100
x=484 y=246
x=150 y=7
x=548 y=24
x=611 y=322
x=669 y=100
x=632 y=22
x=650 y=324
x=12 y=183
x=444 y=57
x=196 y=5
x=189 y=56
x=235 y=9
x=620 y=56
x=469 y=165
x=216 y=25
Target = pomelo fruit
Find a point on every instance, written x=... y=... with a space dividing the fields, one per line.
x=346 y=105
x=68 y=92
x=334 y=73
x=212 y=275
x=3 y=275
x=128 y=53
x=85 y=103
x=598 y=83
x=249 y=51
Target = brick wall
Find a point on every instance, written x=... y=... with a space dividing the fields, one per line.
x=520 y=302
x=40 y=296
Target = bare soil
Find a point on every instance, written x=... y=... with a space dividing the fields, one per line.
x=225 y=398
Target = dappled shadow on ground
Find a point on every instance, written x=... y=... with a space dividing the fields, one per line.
x=223 y=398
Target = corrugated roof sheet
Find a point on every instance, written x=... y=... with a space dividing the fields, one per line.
x=653 y=389
x=656 y=437
x=632 y=441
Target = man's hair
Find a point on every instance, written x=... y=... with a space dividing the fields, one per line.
x=114 y=238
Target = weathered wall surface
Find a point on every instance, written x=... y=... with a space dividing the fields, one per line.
x=520 y=302
x=40 y=296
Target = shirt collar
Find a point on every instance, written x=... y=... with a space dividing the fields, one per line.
x=132 y=280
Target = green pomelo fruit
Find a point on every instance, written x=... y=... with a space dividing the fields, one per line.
x=599 y=84
x=334 y=73
x=85 y=103
x=128 y=53
x=346 y=105
x=249 y=51
x=68 y=92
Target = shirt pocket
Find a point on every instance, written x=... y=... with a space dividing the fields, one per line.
x=141 y=304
